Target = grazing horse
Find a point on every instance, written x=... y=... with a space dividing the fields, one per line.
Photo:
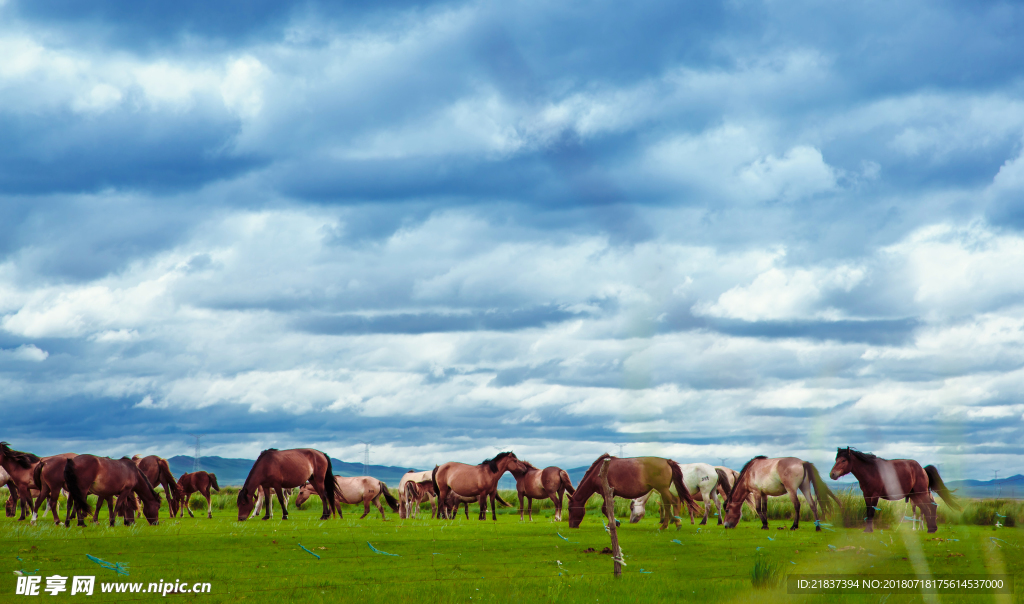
x=158 y=472
x=20 y=466
x=355 y=490
x=196 y=482
x=288 y=469
x=763 y=478
x=549 y=483
x=702 y=480
x=105 y=478
x=409 y=508
x=893 y=479
x=631 y=478
x=475 y=481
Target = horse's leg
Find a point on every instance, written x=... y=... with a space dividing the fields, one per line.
x=762 y=510
x=188 y=506
x=521 y=509
x=494 y=514
x=795 y=500
x=283 y=502
x=366 y=505
x=806 y=488
x=43 y=496
x=110 y=510
x=376 y=502
x=706 y=496
x=666 y=499
x=718 y=505
x=483 y=506
x=24 y=497
x=529 y=507
x=558 y=504
x=928 y=510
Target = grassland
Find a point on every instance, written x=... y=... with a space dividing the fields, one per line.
x=503 y=561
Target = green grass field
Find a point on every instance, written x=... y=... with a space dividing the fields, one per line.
x=503 y=561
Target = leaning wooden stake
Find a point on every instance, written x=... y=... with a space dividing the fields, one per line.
x=609 y=512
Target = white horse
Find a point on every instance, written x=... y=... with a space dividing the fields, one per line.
x=407 y=508
x=702 y=480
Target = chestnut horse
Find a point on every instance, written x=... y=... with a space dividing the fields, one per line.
x=549 y=483
x=893 y=479
x=288 y=469
x=196 y=482
x=763 y=478
x=474 y=481
x=48 y=476
x=105 y=478
x=408 y=508
x=158 y=472
x=355 y=490
x=631 y=478
x=704 y=483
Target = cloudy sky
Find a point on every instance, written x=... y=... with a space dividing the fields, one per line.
x=702 y=230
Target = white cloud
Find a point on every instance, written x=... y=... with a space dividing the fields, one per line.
x=25 y=352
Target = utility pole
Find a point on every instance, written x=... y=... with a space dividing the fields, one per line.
x=995 y=477
x=195 y=458
x=366 y=455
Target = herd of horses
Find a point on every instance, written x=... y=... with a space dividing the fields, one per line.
x=128 y=485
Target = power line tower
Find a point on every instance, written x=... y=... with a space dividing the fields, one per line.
x=722 y=459
x=620 y=446
x=366 y=455
x=195 y=458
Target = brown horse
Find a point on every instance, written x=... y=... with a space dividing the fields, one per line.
x=763 y=478
x=19 y=466
x=631 y=478
x=355 y=490
x=287 y=469
x=893 y=479
x=475 y=481
x=106 y=478
x=451 y=508
x=48 y=476
x=549 y=483
x=158 y=472
x=408 y=508
x=196 y=482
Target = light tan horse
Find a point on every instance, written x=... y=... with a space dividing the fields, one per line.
x=549 y=483
x=475 y=481
x=355 y=490
x=158 y=472
x=260 y=501
x=631 y=478
x=408 y=508
x=764 y=478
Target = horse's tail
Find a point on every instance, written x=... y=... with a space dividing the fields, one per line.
x=433 y=482
x=935 y=484
x=71 y=482
x=168 y=478
x=37 y=476
x=723 y=481
x=566 y=482
x=503 y=503
x=213 y=482
x=392 y=502
x=684 y=493
x=821 y=490
x=330 y=487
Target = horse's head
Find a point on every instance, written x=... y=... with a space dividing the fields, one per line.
x=843 y=464
x=740 y=492
x=305 y=493
x=246 y=502
x=637 y=510
x=577 y=509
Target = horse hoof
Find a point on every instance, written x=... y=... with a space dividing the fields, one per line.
x=764 y=528
x=869 y=530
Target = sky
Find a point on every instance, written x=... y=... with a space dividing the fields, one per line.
x=697 y=230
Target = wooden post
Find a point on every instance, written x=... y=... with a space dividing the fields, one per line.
x=609 y=512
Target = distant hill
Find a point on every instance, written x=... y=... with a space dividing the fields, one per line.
x=232 y=471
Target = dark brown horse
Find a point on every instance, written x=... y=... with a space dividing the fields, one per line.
x=20 y=466
x=631 y=478
x=763 y=478
x=158 y=472
x=475 y=481
x=549 y=483
x=277 y=470
x=893 y=479
x=196 y=482
x=107 y=478
x=48 y=475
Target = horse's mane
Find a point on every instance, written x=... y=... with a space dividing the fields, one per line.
x=603 y=457
x=493 y=462
x=21 y=458
x=243 y=493
x=865 y=457
x=529 y=465
x=739 y=477
x=264 y=452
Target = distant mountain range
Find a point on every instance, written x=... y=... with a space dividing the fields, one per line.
x=231 y=471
